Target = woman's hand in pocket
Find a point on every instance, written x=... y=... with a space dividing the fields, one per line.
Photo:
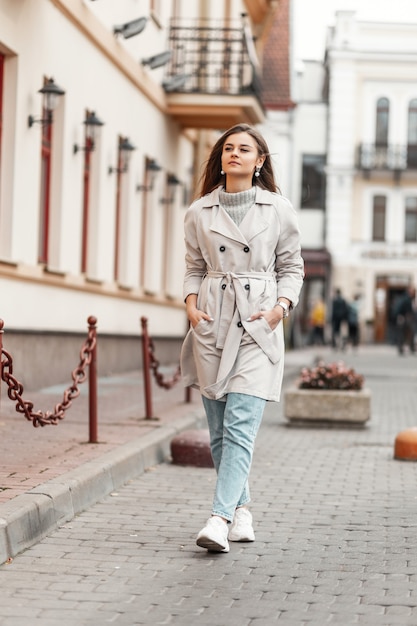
x=193 y=313
x=272 y=316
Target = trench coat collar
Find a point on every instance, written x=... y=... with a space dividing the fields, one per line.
x=252 y=224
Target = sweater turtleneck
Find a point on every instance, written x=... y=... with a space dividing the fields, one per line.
x=237 y=204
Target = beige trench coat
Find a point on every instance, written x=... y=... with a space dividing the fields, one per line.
x=237 y=271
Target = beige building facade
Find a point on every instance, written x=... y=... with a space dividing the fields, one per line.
x=107 y=111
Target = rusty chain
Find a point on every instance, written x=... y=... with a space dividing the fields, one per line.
x=79 y=375
x=154 y=365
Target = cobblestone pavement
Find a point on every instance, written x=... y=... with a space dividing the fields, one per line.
x=335 y=521
x=31 y=456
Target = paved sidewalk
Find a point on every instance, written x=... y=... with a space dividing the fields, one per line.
x=49 y=474
x=336 y=521
x=31 y=456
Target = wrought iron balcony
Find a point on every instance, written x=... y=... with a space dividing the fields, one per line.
x=392 y=157
x=213 y=79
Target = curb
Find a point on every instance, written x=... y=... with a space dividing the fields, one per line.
x=28 y=518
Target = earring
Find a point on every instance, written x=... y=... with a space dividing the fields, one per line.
x=221 y=173
x=257 y=171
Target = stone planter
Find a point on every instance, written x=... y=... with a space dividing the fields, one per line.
x=327 y=405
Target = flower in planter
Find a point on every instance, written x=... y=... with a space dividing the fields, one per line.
x=330 y=376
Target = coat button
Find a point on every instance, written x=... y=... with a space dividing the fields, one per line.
x=247 y=287
x=224 y=286
x=222 y=248
x=239 y=324
x=246 y=249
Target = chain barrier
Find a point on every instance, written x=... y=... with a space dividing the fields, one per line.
x=150 y=363
x=160 y=379
x=15 y=388
x=154 y=363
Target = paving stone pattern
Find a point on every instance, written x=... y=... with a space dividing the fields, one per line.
x=31 y=456
x=336 y=533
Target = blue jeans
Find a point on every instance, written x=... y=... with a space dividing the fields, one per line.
x=233 y=426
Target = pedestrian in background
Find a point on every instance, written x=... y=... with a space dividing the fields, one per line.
x=405 y=319
x=243 y=275
x=339 y=315
x=353 y=321
x=318 y=322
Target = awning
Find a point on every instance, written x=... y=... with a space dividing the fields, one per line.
x=317 y=262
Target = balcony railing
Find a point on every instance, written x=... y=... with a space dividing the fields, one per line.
x=392 y=157
x=210 y=58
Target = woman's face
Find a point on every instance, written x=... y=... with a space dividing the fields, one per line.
x=240 y=155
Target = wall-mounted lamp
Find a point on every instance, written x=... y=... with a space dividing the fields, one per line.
x=91 y=122
x=172 y=184
x=158 y=60
x=153 y=168
x=125 y=148
x=130 y=29
x=175 y=82
x=51 y=91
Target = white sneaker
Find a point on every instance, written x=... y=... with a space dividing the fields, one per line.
x=241 y=527
x=213 y=536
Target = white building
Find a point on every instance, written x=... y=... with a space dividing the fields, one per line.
x=371 y=169
x=346 y=142
x=93 y=186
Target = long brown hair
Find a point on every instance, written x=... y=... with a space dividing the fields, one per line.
x=212 y=176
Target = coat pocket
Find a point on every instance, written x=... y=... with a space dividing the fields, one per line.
x=203 y=327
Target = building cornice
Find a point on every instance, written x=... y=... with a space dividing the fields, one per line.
x=87 y=23
x=60 y=280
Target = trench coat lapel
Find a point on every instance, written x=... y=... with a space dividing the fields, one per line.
x=224 y=225
x=253 y=223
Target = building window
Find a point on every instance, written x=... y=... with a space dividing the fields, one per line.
x=412 y=135
x=147 y=189
x=1 y=97
x=118 y=214
x=86 y=202
x=378 y=218
x=313 y=182
x=382 y=119
x=46 y=158
x=411 y=219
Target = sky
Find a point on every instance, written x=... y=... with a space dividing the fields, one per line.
x=311 y=17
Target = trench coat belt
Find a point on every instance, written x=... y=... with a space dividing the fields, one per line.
x=235 y=306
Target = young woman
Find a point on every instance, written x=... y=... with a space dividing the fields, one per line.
x=243 y=275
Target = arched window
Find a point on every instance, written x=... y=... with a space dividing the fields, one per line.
x=382 y=119
x=412 y=135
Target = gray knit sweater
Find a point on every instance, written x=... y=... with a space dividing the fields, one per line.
x=237 y=204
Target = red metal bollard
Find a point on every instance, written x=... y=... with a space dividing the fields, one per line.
x=92 y=384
